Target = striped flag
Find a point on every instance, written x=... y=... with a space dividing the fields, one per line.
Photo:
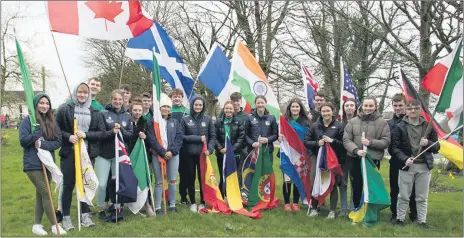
x=347 y=88
x=311 y=86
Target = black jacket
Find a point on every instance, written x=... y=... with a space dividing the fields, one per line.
x=392 y=123
x=237 y=134
x=142 y=126
x=265 y=126
x=401 y=147
x=65 y=119
x=110 y=117
x=334 y=131
x=194 y=126
x=174 y=136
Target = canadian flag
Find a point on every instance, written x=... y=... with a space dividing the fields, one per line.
x=107 y=20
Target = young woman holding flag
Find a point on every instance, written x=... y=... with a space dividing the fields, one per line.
x=228 y=125
x=46 y=136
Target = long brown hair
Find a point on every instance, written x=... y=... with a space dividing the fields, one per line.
x=344 y=119
x=302 y=117
x=47 y=122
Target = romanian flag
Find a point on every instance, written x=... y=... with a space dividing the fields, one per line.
x=374 y=198
x=211 y=193
x=449 y=148
x=327 y=168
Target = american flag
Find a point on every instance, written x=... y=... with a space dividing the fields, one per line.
x=349 y=90
x=311 y=86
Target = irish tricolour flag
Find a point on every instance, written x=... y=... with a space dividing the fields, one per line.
x=247 y=77
x=445 y=79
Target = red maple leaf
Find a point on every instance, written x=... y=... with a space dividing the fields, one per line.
x=105 y=9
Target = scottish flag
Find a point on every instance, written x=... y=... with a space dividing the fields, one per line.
x=172 y=67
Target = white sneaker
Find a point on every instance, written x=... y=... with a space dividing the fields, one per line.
x=314 y=213
x=38 y=229
x=331 y=215
x=62 y=231
x=200 y=207
x=86 y=221
x=194 y=208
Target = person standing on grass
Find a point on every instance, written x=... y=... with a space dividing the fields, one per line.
x=46 y=136
x=140 y=128
x=197 y=128
x=296 y=116
x=172 y=142
x=377 y=139
x=91 y=129
x=116 y=120
x=228 y=125
x=240 y=116
x=147 y=103
x=408 y=140
x=399 y=105
x=325 y=130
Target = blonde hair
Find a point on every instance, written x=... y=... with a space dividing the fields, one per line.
x=83 y=88
x=117 y=91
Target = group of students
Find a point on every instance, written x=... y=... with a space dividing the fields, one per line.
x=187 y=130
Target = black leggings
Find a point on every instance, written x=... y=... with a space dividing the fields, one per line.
x=220 y=162
x=69 y=181
x=287 y=189
x=193 y=168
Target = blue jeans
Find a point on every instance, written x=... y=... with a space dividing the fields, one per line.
x=171 y=170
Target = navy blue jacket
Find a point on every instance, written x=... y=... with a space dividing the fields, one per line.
x=334 y=131
x=265 y=126
x=174 y=134
x=110 y=117
x=27 y=140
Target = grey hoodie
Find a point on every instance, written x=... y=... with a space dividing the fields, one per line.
x=82 y=111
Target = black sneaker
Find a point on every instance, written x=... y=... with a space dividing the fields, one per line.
x=102 y=215
x=159 y=212
x=172 y=209
x=399 y=223
x=113 y=217
x=424 y=225
x=185 y=202
x=393 y=219
x=59 y=216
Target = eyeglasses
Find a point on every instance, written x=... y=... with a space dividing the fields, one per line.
x=413 y=108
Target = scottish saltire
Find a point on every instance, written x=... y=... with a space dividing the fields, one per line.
x=294 y=160
x=234 y=198
x=248 y=171
x=327 y=168
x=107 y=20
x=451 y=96
x=139 y=163
x=311 y=86
x=44 y=155
x=347 y=88
x=211 y=193
x=247 y=77
x=126 y=181
x=262 y=192
x=171 y=66
x=449 y=148
x=374 y=197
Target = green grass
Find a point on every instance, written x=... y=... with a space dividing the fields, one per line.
x=18 y=198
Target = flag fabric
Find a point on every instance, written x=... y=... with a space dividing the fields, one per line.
x=106 y=20
x=247 y=77
x=449 y=148
x=234 y=198
x=87 y=173
x=374 y=197
x=80 y=193
x=126 y=181
x=451 y=96
x=294 y=160
x=211 y=193
x=44 y=155
x=139 y=163
x=262 y=193
x=327 y=168
x=248 y=171
x=171 y=66
x=311 y=86
x=347 y=88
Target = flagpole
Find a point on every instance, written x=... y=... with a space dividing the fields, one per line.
x=76 y=158
x=164 y=192
x=51 y=200
x=116 y=158
x=148 y=175
x=191 y=93
x=340 y=110
x=363 y=161
x=122 y=67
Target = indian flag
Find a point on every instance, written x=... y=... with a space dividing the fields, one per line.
x=247 y=77
x=445 y=79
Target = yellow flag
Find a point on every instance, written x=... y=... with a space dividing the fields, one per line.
x=77 y=166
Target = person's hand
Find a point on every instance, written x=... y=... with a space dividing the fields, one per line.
x=37 y=144
x=223 y=150
x=327 y=139
x=365 y=142
x=281 y=137
x=321 y=142
x=203 y=138
x=206 y=152
x=116 y=128
x=142 y=135
x=424 y=142
x=361 y=153
x=410 y=161
x=255 y=145
x=168 y=155
x=81 y=134
x=73 y=139
x=262 y=140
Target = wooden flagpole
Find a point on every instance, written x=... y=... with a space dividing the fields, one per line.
x=58 y=231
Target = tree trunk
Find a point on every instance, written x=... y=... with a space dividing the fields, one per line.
x=425 y=47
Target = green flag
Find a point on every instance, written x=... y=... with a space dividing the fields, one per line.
x=27 y=84
x=139 y=161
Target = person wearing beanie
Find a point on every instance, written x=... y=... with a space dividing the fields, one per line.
x=46 y=135
x=172 y=139
x=91 y=129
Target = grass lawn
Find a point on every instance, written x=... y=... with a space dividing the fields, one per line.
x=445 y=213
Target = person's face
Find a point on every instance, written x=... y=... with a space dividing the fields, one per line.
x=95 y=87
x=368 y=106
x=177 y=99
x=146 y=103
x=43 y=105
x=295 y=109
x=260 y=104
x=237 y=104
x=116 y=101
x=326 y=113
x=82 y=95
x=413 y=112
x=398 y=107
x=229 y=110
x=137 y=111
x=318 y=101
x=198 y=106
x=165 y=110
x=349 y=107
x=127 y=96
